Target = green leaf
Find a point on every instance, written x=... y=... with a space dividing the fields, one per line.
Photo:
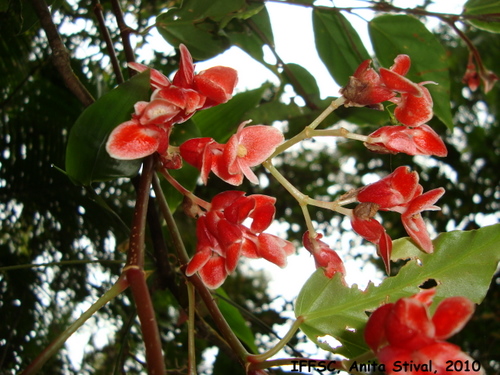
x=339 y=45
x=490 y=8
x=298 y=76
x=86 y=157
x=399 y=34
x=221 y=122
x=198 y=24
x=235 y=320
x=462 y=264
x=242 y=33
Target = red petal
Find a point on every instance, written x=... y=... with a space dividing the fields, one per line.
x=260 y=141
x=274 y=249
x=158 y=80
x=130 y=140
x=213 y=272
x=451 y=316
x=198 y=261
x=193 y=150
x=184 y=76
x=216 y=83
x=401 y=65
x=239 y=210
x=408 y=325
x=414 y=111
x=263 y=214
x=396 y=189
x=158 y=112
x=441 y=354
x=375 y=327
x=397 y=82
x=225 y=199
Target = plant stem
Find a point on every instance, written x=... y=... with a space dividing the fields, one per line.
x=146 y=313
x=191 y=344
x=134 y=270
x=121 y=284
x=280 y=345
x=306 y=132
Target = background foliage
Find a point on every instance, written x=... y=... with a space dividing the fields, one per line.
x=45 y=218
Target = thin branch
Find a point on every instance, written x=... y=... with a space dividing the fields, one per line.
x=109 y=42
x=124 y=33
x=60 y=55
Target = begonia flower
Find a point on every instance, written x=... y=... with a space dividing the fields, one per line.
x=421 y=140
x=231 y=162
x=405 y=331
x=324 y=256
x=224 y=235
x=400 y=192
x=412 y=110
x=365 y=88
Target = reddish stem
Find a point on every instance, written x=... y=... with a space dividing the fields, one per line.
x=149 y=327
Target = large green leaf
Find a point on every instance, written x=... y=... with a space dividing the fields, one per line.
x=198 y=24
x=221 y=122
x=339 y=45
x=86 y=157
x=399 y=34
x=490 y=8
x=463 y=263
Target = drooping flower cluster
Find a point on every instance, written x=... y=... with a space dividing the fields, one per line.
x=399 y=192
x=224 y=236
x=171 y=103
x=248 y=147
x=413 y=108
x=324 y=257
x=404 y=331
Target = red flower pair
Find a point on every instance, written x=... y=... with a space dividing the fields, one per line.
x=404 y=331
x=223 y=237
x=171 y=103
x=250 y=146
x=398 y=192
x=414 y=108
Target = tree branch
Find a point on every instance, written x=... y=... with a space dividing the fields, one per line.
x=60 y=55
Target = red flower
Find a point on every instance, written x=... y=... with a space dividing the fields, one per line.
x=171 y=103
x=249 y=147
x=401 y=192
x=223 y=238
x=368 y=88
x=421 y=140
x=323 y=255
x=405 y=331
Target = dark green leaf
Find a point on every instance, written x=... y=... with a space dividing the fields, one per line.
x=339 y=45
x=490 y=8
x=86 y=157
x=395 y=34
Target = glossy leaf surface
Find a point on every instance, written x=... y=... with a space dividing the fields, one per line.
x=339 y=45
x=86 y=157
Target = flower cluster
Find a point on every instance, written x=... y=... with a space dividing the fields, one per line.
x=404 y=331
x=399 y=192
x=171 y=103
x=224 y=236
x=413 y=108
x=248 y=147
